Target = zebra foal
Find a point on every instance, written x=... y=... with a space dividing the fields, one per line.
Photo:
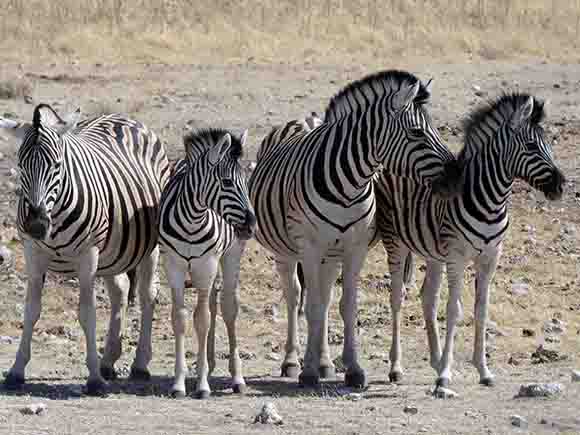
x=504 y=141
x=205 y=220
x=315 y=204
x=89 y=207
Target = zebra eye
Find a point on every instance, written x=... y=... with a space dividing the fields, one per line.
x=57 y=165
x=227 y=182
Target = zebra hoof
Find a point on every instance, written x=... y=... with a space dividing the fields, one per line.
x=356 y=380
x=13 y=382
x=202 y=394
x=96 y=388
x=239 y=388
x=487 y=382
x=290 y=370
x=140 y=375
x=327 y=372
x=395 y=377
x=308 y=380
x=442 y=383
x=178 y=394
x=109 y=373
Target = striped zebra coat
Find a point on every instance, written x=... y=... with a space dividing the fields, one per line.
x=315 y=202
x=89 y=207
x=205 y=219
x=504 y=141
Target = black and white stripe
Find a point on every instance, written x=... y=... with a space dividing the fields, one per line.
x=504 y=141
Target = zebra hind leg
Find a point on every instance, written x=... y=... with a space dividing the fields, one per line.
x=117 y=287
x=287 y=272
x=430 y=303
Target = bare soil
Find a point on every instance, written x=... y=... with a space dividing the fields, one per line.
x=541 y=251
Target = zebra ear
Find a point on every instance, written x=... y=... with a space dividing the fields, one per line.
x=47 y=116
x=428 y=85
x=313 y=121
x=15 y=129
x=219 y=150
x=405 y=97
x=522 y=114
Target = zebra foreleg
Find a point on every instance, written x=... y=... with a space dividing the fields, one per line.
x=290 y=282
x=36 y=267
x=430 y=303
x=118 y=287
x=486 y=267
x=230 y=305
x=145 y=274
x=88 y=318
x=213 y=308
x=455 y=271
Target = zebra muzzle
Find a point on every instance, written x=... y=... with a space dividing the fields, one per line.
x=554 y=189
x=246 y=230
x=37 y=223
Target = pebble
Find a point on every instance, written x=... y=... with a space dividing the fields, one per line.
x=554 y=326
x=5 y=255
x=34 y=409
x=4 y=339
x=269 y=415
x=540 y=390
x=519 y=421
x=444 y=393
x=355 y=397
x=412 y=410
x=520 y=289
x=576 y=376
x=272 y=356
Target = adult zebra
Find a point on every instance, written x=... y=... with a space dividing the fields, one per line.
x=315 y=203
x=503 y=141
x=205 y=219
x=89 y=206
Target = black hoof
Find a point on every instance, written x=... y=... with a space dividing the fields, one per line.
x=290 y=370
x=13 y=382
x=178 y=394
x=395 y=377
x=356 y=380
x=308 y=380
x=96 y=388
x=487 y=382
x=202 y=394
x=442 y=382
x=239 y=388
x=327 y=372
x=109 y=373
x=140 y=375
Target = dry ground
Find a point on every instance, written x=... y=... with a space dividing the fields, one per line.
x=541 y=251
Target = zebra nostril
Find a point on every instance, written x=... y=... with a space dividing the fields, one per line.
x=250 y=219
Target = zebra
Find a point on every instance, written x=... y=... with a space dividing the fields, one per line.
x=89 y=206
x=504 y=141
x=205 y=220
x=315 y=204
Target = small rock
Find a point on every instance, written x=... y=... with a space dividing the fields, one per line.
x=339 y=365
x=554 y=326
x=444 y=393
x=247 y=355
x=476 y=88
x=272 y=356
x=557 y=85
x=355 y=397
x=543 y=355
x=268 y=415
x=552 y=339
x=34 y=409
x=4 y=339
x=6 y=255
x=527 y=332
x=271 y=310
x=576 y=376
x=492 y=330
x=540 y=390
x=519 y=421
x=28 y=99
x=412 y=410
x=520 y=289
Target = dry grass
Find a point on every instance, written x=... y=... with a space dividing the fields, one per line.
x=187 y=31
x=14 y=88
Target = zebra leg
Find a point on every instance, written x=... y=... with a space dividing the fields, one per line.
x=213 y=307
x=485 y=271
x=328 y=273
x=230 y=305
x=355 y=375
x=147 y=296
x=289 y=279
x=176 y=270
x=118 y=287
x=36 y=268
x=455 y=273
x=430 y=302
x=88 y=264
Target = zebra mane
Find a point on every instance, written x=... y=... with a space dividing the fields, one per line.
x=493 y=114
x=198 y=141
x=381 y=83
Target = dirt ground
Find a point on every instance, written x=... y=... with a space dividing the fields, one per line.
x=541 y=254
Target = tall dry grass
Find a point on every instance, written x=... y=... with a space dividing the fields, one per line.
x=191 y=31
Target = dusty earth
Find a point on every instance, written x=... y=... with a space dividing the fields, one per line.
x=537 y=281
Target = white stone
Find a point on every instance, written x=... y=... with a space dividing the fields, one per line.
x=34 y=409
x=554 y=326
x=355 y=397
x=413 y=410
x=576 y=376
x=519 y=421
x=540 y=390
x=4 y=339
x=5 y=255
x=269 y=415
x=520 y=289
x=273 y=356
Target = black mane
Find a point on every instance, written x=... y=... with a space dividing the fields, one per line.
x=397 y=77
x=204 y=138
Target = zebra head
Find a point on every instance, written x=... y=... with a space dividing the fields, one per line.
x=40 y=165
x=531 y=155
x=223 y=185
